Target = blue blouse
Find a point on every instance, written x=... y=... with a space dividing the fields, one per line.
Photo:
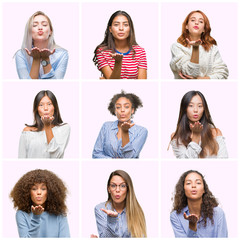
x=218 y=229
x=58 y=61
x=109 y=146
x=43 y=225
x=111 y=226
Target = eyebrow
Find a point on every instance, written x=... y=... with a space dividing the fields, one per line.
x=189 y=180
x=122 y=104
x=116 y=184
x=41 y=21
x=195 y=18
x=119 y=22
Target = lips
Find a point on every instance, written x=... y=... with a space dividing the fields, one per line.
x=40 y=32
x=195 y=116
x=117 y=196
x=120 y=34
x=196 y=27
x=194 y=192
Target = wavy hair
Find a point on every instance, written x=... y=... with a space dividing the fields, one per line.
x=207 y=40
x=37 y=119
x=208 y=199
x=108 y=43
x=183 y=132
x=56 y=192
x=135 y=216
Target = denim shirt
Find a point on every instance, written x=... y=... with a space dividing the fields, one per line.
x=109 y=146
x=111 y=226
x=58 y=61
x=218 y=229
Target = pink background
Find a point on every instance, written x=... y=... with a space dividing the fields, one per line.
x=65 y=21
x=223 y=21
x=95 y=17
x=222 y=179
x=145 y=181
x=17 y=112
x=222 y=102
x=95 y=99
x=67 y=171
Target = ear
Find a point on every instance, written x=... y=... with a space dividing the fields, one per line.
x=109 y=190
x=110 y=29
x=187 y=27
x=133 y=110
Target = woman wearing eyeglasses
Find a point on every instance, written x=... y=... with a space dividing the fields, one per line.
x=121 y=215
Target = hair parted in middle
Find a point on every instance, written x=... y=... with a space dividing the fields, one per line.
x=56 y=192
x=134 y=99
x=207 y=40
x=183 y=132
x=108 y=42
x=135 y=215
x=208 y=199
x=37 y=119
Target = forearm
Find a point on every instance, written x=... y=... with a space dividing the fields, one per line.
x=48 y=68
x=125 y=137
x=116 y=73
x=34 y=72
x=49 y=133
x=195 y=54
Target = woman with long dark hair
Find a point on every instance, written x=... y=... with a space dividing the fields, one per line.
x=196 y=135
x=40 y=57
x=195 y=209
x=48 y=136
x=39 y=197
x=121 y=215
x=119 y=56
x=196 y=55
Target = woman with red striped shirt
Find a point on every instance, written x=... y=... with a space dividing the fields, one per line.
x=119 y=56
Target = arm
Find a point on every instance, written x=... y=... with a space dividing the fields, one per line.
x=22 y=148
x=25 y=229
x=222 y=226
x=58 y=143
x=222 y=151
x=22 y=65
x=133 y=148
x=98 y=151
x=64 y=228
x=107 y=226
x=142 y=67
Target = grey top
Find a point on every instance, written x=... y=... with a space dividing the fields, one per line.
x=193 y=149
x=34 y=144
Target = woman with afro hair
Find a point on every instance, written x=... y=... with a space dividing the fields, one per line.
x=39 y=197
x=195 y=209
x=121 y=138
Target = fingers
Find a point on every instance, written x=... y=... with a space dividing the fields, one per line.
x=110 y=212
x=93 y=236
x=104 y=210
x=28 y=52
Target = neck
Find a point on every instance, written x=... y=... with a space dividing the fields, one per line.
x=41 y=44
x=119 y=206
x=194 y=206
x=121 y=45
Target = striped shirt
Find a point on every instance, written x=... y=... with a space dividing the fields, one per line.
x=130 y=63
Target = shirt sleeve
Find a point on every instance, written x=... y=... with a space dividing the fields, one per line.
x=101 y=59
x=222 y=225
x=22 y=148
x=181 y=151
x=181 y=61
x=107 y=226
x=64 y=228
x=143 y=60
x=133 y=148
x=222 y=151
x=98 y=151
x=24 y=229
x=59 y=142
x=22 y=65
x=219 y=68
x=178 y=228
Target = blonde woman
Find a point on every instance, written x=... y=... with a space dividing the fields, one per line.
x=121 y=215
x=40 y=57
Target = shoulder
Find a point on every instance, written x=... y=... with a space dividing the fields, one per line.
x=30 y=129
x=100 y=205
x=61 y=53
x=64 y=126
x=137 y=48
x=21 y=214
x=216 y=132
x=178 y=45
x=172 y=135
x=218 y=212
x=140 y=128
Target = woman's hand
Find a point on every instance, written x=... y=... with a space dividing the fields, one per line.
x=196 y=129
x=194 y=43
x=125 y=126
x=35 y=53
x=185 y=76
x=45 y=53
x=37 y=210
x=47 y=120
x=193 y=219
x=117 y=56
x=110 y=213
x=93 y=236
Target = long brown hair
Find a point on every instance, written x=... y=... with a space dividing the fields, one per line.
x=207 y=40
x=183 y=132
x=135 y=216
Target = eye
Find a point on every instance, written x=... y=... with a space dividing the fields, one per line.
x=113 y=185
x=123 y=186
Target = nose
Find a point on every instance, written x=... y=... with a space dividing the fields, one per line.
x=39 y=191
x=195 y=109
x=40 y=26
x=122 y=109
x=45 y=107
x=118 y=188
x=121 y=26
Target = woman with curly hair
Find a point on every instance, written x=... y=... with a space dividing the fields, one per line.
x=119 y=56
x=48 y=136
x=40 y=57
x=122 y=138
x=196 y=135
x=195 y=209
x=39 y=197
x=121 y=215
x=196 y=55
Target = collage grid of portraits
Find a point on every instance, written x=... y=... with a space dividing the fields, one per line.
x=83 y=99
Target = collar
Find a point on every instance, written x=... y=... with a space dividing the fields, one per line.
x=126 y=53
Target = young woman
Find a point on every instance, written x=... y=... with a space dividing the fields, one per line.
x=39 y=197
x=40 y=57
x=195 y=209
x=121 y=215
x=196 y=55
x=122 y=138
x=119 y=56
x=48 y=136
x=196 y=135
